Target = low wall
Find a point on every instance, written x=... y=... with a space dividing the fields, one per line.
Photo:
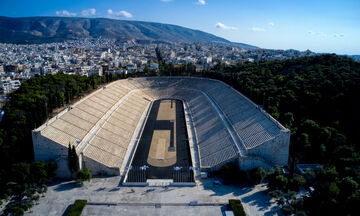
x=99 y=169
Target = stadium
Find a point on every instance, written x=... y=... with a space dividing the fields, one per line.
x=163 y=128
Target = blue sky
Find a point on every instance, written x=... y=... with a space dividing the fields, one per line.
x=318 y=25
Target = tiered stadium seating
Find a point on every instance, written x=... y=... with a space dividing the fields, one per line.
x=112 y=140
x=105 y=121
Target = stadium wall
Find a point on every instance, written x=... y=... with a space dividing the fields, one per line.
x=99 y=169
x=48 y=150
x=274 y=151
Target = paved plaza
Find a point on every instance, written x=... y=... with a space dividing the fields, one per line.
x=106 y=197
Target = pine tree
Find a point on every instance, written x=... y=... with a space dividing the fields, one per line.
x=70 y=158
x=75 y=159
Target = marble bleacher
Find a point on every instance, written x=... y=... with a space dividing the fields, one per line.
x=115 y=112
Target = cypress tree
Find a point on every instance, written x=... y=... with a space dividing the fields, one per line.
x=70 y=158
x=75 y=159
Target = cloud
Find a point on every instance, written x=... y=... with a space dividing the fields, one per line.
x=257 y=29
x=65 y=13
x=89 y=12
x=223 y=26
x=319 y=34
x=122 y=13
x=166 y=0
x=323 y=34
x=271 y=24
x=338 y=35
x=201 y=2
x=311 y=33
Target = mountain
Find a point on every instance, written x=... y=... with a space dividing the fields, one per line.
x=355 y=57
x=55 y=29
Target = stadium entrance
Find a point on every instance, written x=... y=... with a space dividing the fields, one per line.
x=163 y=150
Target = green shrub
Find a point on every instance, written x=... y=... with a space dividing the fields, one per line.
x=275 y=193
x=296 y=182
x=83 y=175
x=37 y=172
x=288 y=209
x=15 y=210
x=19 y=208
x=230 y=173
x=20 y=172
x=77 y=208
x=35 y=197
x=257 y=175
x=237 y=207
x=44 y=188
x=276 y=180
x=1 y=202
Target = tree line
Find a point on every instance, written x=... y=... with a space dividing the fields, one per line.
x=318 y=99
x=29 y=107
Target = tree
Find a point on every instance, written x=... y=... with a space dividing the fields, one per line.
x=296 y=182
x=20 y=172
x=230 y=173
x=70 y=158
x=257 y=175
x=83 y=175
x=73 y=159
x=38 y=172
x=276 y=180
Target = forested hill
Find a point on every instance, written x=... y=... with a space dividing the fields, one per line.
x=58 y=29
x=316 y=97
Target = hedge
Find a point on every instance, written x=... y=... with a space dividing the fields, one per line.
x=237 y=207
x=77 y=208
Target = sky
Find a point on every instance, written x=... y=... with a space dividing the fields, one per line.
x=324 y=26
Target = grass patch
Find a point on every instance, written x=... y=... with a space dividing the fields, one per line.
x=237 y=207
x=77 y=208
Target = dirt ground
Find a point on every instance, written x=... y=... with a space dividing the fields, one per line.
x=162 y=151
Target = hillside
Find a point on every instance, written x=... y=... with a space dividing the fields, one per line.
x=53 y=29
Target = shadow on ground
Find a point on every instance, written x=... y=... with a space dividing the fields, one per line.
x=67 y=186
x=67 y=210
x=221 y=190
x=114 y=189
x=258 y=199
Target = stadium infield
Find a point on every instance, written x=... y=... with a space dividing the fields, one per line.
x=163 y=150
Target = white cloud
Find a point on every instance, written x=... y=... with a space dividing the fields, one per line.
x=122 y=13
x=65 y=13
x=271 y=24
x=323 y=34
x=201 y=2
x=257 y=29
x=311 y=33
x=223 y=26
x=89 y=12
x=166 y=0
x=338 y=35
